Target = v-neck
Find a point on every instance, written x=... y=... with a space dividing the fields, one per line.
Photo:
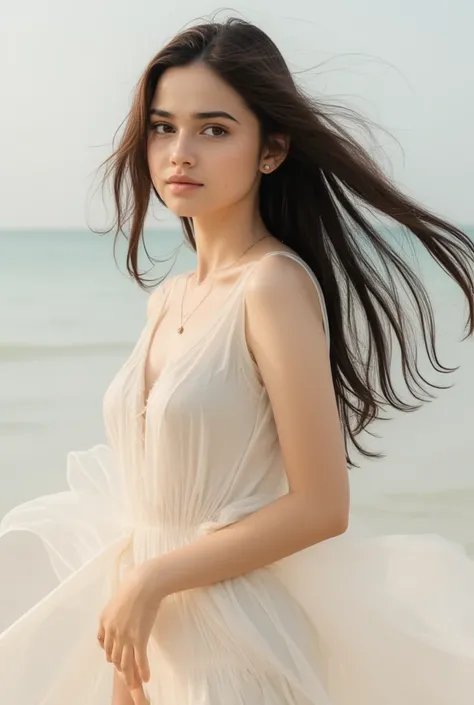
x=171 y=364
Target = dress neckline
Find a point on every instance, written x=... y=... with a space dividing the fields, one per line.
x=170 y=365
x=175 y=362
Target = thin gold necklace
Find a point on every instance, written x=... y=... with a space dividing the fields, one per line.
x=181 y=327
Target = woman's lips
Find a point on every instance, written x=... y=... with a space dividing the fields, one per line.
x=183 y=188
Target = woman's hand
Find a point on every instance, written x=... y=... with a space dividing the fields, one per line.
x=126 y=622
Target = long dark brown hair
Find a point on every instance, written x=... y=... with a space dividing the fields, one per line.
x=318 y=202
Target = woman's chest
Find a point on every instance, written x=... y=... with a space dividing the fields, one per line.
x=182 y=330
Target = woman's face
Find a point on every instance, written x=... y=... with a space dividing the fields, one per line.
x=199 y=127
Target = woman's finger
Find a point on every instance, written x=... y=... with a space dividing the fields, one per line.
x=128 y=667
x=108 y=646
x=141 y=659
x=116 y=656
x=101 y=636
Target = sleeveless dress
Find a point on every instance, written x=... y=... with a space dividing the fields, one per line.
x=355 y=620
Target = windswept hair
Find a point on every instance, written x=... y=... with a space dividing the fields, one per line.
x=318 y=202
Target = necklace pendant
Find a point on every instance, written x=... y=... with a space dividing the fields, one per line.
x=180 y=329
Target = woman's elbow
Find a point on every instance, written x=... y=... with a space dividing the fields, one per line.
x=334 y=524
x=339 y=524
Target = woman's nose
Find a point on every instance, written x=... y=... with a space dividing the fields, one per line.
x=181 y=152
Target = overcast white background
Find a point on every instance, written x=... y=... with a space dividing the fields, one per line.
x=67 y=73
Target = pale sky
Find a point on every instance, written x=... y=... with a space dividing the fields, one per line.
x=68 y=70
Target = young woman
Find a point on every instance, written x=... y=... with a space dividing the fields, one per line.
x=203 y=555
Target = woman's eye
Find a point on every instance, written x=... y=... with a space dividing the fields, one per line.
x=160 y=124
x=164 y=128
x=216 y=127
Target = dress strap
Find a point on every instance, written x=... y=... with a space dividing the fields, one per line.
x=315 y=281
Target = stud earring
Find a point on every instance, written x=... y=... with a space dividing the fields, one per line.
x=267 y=167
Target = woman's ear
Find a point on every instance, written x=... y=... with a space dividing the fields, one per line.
x=276 y=151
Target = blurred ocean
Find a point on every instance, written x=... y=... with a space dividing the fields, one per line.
x=69 y=317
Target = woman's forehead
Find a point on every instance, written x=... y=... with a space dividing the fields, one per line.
x=187 y=91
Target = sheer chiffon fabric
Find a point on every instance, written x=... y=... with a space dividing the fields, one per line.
x=360 y=619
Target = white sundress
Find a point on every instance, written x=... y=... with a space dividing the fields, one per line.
x=355 y=620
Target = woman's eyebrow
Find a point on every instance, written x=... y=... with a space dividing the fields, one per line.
x=195 y=116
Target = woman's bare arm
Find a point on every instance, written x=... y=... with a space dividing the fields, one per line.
x=122 y=695
x=288 y=342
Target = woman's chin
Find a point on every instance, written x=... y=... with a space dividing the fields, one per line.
x=184 y=212
x=184 y=209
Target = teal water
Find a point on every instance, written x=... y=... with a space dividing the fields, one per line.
x=70 y=316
